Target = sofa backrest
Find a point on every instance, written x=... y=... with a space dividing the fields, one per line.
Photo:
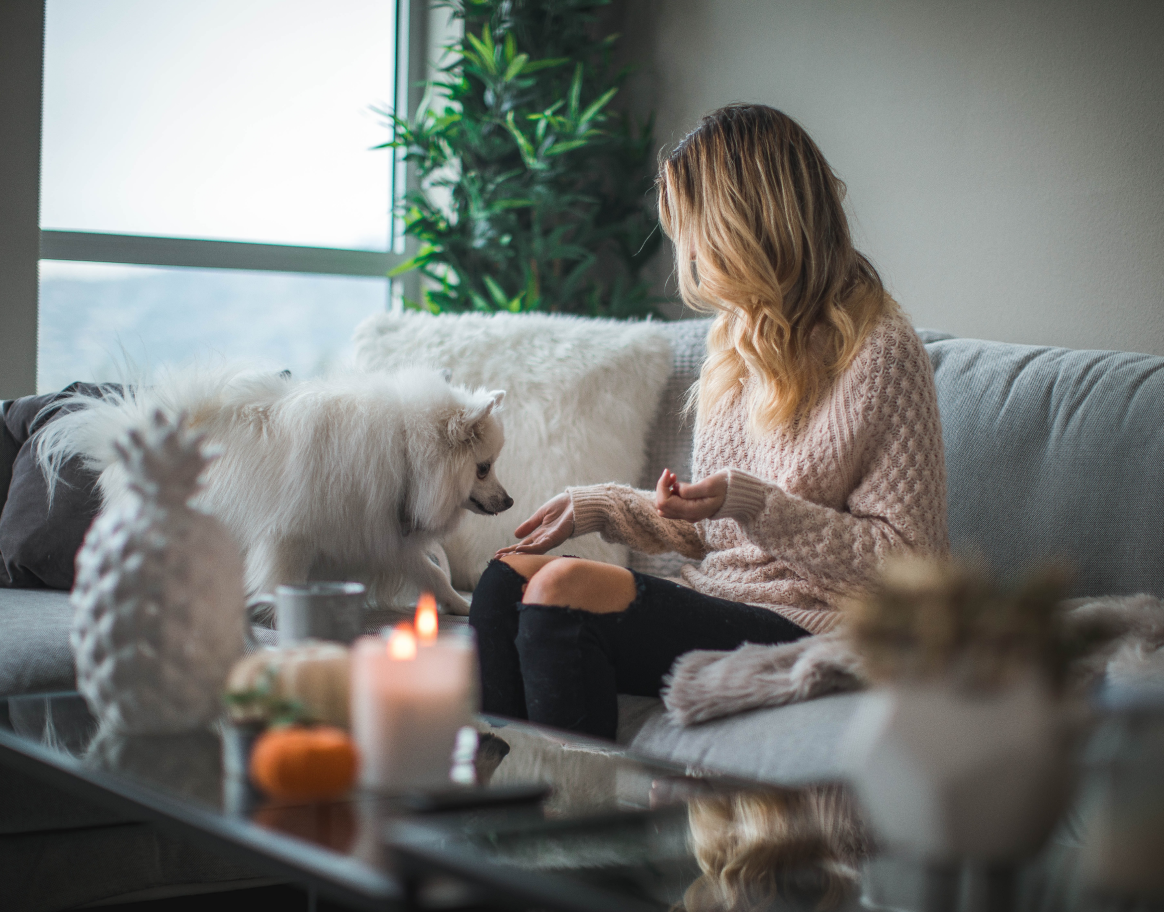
x=1051 y=454
x=1055 y=454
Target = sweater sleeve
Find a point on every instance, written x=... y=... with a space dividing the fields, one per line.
x=898 y=500
x=625 y=516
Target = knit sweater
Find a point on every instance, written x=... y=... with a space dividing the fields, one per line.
x=813 y=508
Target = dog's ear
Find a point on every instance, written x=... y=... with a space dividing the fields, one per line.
x=464 y=424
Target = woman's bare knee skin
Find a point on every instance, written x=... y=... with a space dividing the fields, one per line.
x=581 y=584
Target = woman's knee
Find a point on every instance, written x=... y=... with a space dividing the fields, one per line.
x=581 y=584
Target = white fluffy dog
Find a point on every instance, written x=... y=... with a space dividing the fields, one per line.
x=349 y=477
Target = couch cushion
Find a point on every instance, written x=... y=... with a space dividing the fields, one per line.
x=670 y=439
x=34 y=641
x=38 y=546
x=9 y=447
x=35 y=656
x=786 y=745
x=1055 y=454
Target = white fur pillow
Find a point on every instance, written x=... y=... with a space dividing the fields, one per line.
x=580 y=397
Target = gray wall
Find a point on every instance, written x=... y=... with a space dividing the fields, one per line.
x=1004 y=159
x=21 y=36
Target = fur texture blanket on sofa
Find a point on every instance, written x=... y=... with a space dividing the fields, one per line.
x=706 y=685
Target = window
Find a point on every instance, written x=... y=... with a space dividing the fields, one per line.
x=208 y=189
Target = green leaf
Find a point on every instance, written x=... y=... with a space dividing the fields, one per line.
x=496 y=292
x=515 y=66
x=424 y=256
x=504 y=204
x=528 y=155
x=535 y=66
x=597 y=105
x=575 y=94
x=484 y=57
x=568 y=146
x=510 y=48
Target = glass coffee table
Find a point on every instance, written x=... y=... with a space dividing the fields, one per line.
x=556 y=822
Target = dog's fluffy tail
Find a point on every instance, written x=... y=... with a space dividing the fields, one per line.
x=90 y=426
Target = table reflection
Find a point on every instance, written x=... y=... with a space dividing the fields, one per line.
x=773 y=848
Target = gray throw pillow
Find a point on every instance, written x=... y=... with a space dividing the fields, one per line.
x=38 y=546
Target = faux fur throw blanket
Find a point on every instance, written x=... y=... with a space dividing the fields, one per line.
x=706 y=685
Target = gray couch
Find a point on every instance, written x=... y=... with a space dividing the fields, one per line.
x=1051 y=453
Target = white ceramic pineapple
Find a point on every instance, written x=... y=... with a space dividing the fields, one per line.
x=159 y=605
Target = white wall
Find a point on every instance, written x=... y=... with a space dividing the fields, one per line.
x=1005 y=160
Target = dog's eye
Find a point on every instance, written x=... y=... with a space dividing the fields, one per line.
x=483 y=469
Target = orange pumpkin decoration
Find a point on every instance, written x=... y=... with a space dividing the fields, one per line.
x=312 y=763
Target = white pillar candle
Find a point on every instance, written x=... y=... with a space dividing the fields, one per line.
x=409 y=700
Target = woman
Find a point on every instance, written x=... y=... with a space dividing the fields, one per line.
x=817 y=445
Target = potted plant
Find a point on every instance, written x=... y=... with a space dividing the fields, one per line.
x=534 y=193
x=961 y=750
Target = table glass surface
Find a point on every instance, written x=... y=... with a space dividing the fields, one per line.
x=616 y=831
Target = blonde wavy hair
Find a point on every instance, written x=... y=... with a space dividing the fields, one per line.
x=749 y=197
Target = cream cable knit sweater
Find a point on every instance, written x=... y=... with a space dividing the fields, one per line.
x=813 y=509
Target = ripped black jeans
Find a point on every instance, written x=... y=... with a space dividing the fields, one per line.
x=564 y=667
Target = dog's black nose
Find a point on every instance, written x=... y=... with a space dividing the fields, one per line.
x=508 y=502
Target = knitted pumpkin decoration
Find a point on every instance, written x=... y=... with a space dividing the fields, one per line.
x=304 y=762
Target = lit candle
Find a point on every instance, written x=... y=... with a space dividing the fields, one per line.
x=409 y=700
x=426 y=618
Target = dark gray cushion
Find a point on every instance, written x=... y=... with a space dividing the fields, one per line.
x=9 y=447
x=1055 y=454
x=38 y=546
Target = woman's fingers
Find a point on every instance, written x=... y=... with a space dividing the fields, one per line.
x=677 y=508
x=522 y=547
x=692 y=502
x=666 y=488
x=530 y=524
x=546 y=529
x=662 y=489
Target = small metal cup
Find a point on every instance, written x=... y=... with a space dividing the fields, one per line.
x=319 y=611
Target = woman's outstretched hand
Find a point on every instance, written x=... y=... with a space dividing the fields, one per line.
x=692 y=502
x=551 y=525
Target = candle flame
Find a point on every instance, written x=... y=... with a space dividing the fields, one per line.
x=402 y=642
x=426 y=618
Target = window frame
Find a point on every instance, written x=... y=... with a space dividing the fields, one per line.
x=21 y=85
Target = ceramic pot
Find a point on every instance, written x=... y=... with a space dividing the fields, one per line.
x=948 y=775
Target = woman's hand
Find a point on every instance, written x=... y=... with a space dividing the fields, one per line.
x=551 y=525
x=692 y=502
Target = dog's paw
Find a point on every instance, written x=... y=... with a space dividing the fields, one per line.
x=460 y=606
